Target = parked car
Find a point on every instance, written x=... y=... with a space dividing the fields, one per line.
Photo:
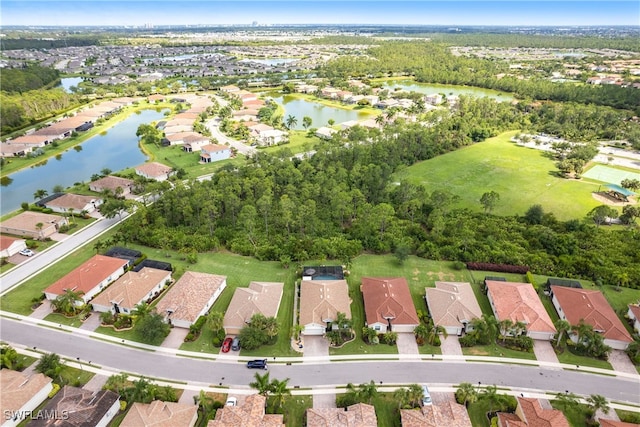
x=226 y=345
x=257 y=364
x=231 y=401
x=426 y=397
x=27 y=252
x=235 y=344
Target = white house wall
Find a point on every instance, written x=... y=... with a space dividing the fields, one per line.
x=313 y=329
x=402 y=328
x=112 y=412
x=31 y=405
x=616 y=345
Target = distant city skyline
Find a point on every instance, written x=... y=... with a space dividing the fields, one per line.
x=417 y=12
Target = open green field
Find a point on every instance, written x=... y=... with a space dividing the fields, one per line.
x=522 y=176
x=299 y=142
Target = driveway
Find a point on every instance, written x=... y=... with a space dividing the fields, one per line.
x=92 y=322
x=42 y=311
x=407 y=343
x=544 y=352
x=327 y=400
x=315 y=346
x=621 y=362
x=450 y=346
x=175 y=338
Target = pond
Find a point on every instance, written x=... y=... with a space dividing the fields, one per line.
x=320 y=114
x=67 y=82
x=116 y=150
x=271 y=61
x=427 y=89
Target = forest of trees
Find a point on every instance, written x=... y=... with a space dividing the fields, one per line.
x=434 y=63
x=342 y=201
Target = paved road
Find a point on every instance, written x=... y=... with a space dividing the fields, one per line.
x=213 y=126
x=55 y=253
x=321 y=374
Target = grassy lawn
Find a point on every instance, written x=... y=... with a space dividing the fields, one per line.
x=577 y=415
x=63 y=320
x=387 y=410
x=497 y=351
x=478 y=413
x=299 y=142
x=522 y=176
x=628 y=416
x=129 y=335
x=573 y=359
x=429 y=349
x=294 y=409
x=75 y=377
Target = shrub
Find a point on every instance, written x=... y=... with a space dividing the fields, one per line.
x=54 y=390
x=123 y=405
x=24 y=206
x=502 y=268
x=469 y=340
x=458 y=265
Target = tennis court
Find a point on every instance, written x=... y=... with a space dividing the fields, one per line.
x=611 y=175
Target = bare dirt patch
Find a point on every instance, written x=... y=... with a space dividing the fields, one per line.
x=604 y=199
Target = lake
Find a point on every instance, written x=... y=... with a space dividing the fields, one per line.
x=116 y=150
x=427 y=89
x=320 y=114
x=67 y=82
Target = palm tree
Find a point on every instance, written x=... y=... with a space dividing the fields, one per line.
x=291 y=121
x=567 y=400
x=296 y=330
x=67 y=303
x=434 y=331
x=50 y=365
x=262 y=384
x=401 y=396
x=563 y=327
x=416 y=394
x=490 y=393
x=280 y=390
x=379 y=119
x=141 y=310
x=581 y=329
x=421 y=333
x=306 y=122
x=369 y=335
x=215 y=320
x=597 y=402
x=466 y=394
x=40 y=194
x=368 y=391
x=506 y=327
x=8 y=357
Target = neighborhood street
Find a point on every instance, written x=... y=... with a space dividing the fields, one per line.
x=313 y=375
x=213 y=126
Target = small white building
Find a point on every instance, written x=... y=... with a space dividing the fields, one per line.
x=214 y=152
x=325 y=132
x=21 y=393
x=10 y=246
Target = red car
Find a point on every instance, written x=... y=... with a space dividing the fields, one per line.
x=226 y=345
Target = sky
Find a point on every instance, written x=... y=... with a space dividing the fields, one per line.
x=416 y=12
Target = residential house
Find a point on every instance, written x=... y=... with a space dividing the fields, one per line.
x=33 y=225
x=214 y=152
x=259 y=298
x=230 y=89
x=320 y=302
x=634 y=315
x=80 y=408
x=32 y=140
x=89 y=278
x=74 y=203
x=182 y=137
x=10 y=246
x=529 y=413
x=576 y=305
x=266 y=135
x=325 y=132
x=388 y=304
x=554 y=281
x=343 y=95
x=11 y=150
x=245 y=95
x=386 y=103
x=131 y=289
x=433 y=99
x=195 y=143
x=155 y=171
x=452 y=305
x=615 y=423
x=155 y=98
x=330 y=92
x=190 y=297
x=21 y=393
x=519 y=302
x=169 y=130
x=250 y=414
x=348 y=124
x=179 y=122
x=112 y=184
x=360 y=415
x=446 y=413
x=160 y=414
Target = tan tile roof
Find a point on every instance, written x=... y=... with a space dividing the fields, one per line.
x=28 y=220
x=154 y=169
x=30 y=139
x=323 y=299
x=187 y=137
x=160 y=414
x=249 y=414
x=131 y=287
x=68 y=200
x=88 y=275
x=84 y=408
x=186 y=115
x=358 y=415
x=189 y=295
x=450 y=303
x=14 y=149
x=531 y=414
x=520 y=303
x=210 y=148
x=592 y=307
x=111 y=183
x=388 y=298
x=440 y=414
x=259 y=297
x=17 y=388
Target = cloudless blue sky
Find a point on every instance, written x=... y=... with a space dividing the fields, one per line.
x=448 y=12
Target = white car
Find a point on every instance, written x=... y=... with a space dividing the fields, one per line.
x=231 y=401
x=27 y=252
